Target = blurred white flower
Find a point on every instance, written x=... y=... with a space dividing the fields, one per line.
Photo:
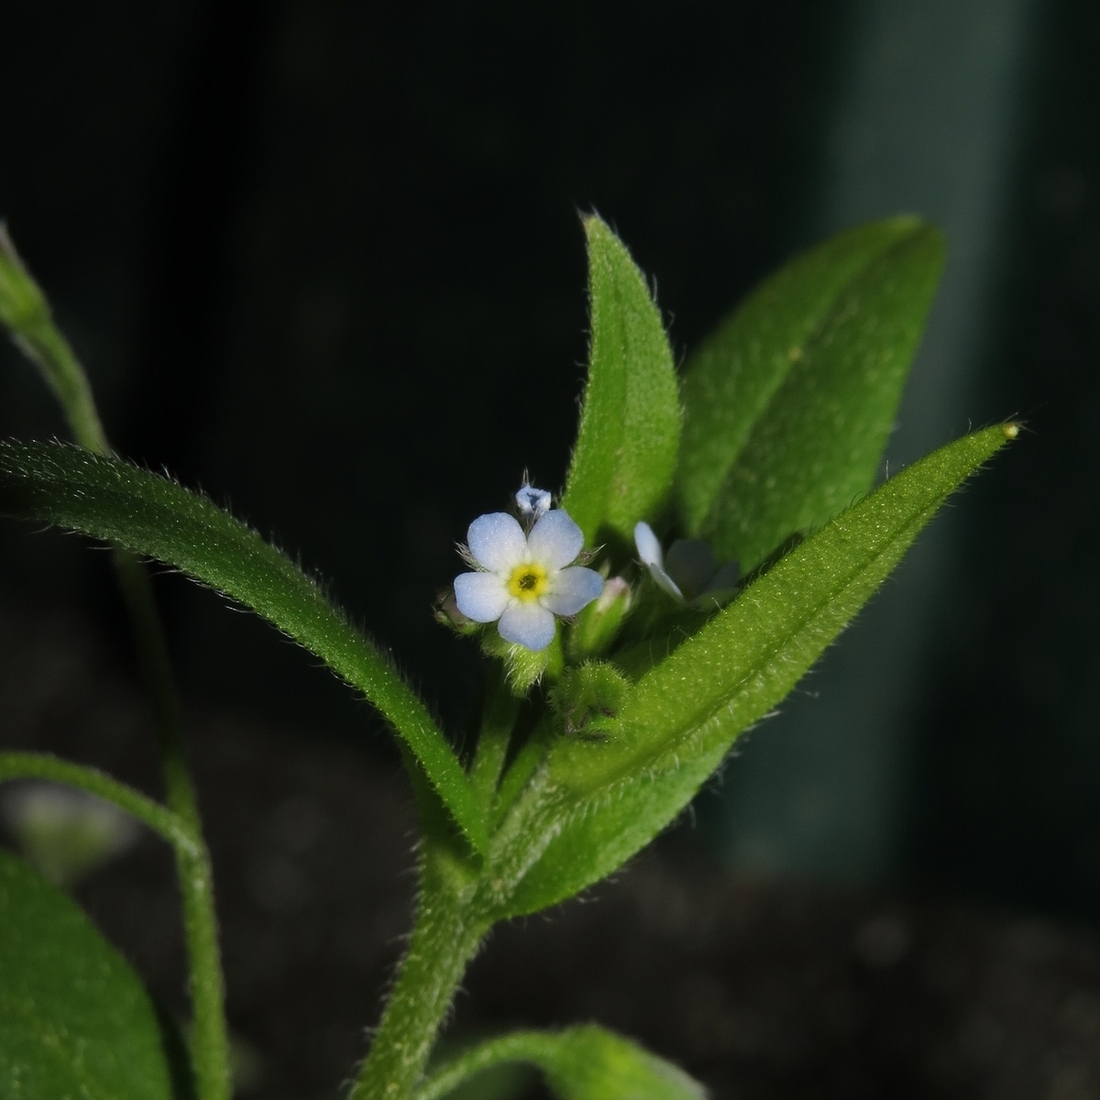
x=65 y=833
x=689 y=570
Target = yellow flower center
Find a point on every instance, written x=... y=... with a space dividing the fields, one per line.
x=528 y=582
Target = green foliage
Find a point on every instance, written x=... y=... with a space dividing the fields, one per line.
x=789 y=405
x=75 y=1021
x=625 y=457
x=22 y=304
x=26 y=314
x=155 y=517
x=590 y=1063
x=596 y=802
x=35 y=765
x=598 y=625
x=579 y=1063
x=587 y=749
x=588 y=700
x=504 y=1081
x=523 y=667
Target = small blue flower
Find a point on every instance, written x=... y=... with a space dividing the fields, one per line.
x=689 y=571
x=531 y=502
x=525 y=580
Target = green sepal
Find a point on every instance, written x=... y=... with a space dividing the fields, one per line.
x=75 y=1020
x=625 y=456
x=523 y=667
x=588 y=700
x=789 y=404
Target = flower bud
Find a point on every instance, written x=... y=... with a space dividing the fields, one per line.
x=588 y=700
x=445 y=612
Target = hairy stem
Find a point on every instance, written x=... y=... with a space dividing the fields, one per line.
x=209 y=1043
x=446 y=936
x=497 y=722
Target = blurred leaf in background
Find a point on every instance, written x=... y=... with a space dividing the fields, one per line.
x=75 y=1020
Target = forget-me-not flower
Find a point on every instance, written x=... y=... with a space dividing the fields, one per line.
x=525 y=579
x=531 y=502
x=689 y=569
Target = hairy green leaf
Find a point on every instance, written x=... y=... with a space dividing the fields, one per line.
x=75 y=1020
x=594 y=803
x=153 y=516
x=789 y=405
x=625 y=457
x=580 y=1063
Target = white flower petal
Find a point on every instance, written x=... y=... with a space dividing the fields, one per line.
x=690 y=562
x=481 y=596
x=649 y=548
x=572 y=589
x=528 y=624
x=555 y=540
x=497 y=542
x=665 y=582
x=532 y=502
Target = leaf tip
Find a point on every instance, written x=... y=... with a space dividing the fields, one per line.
x=596 y=229
x=1011 y=429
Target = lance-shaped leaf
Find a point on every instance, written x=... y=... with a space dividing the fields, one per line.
x=789 y=405
x=157 y=518
x=580 y=1063
x=593 y=804
x=625 y=457
x=75 y=1020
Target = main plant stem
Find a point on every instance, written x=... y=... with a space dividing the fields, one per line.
x=445 y=938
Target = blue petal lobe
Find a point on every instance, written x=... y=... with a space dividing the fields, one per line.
x=555 y=540
x=481 y=596
x=573 y=589
x=497 y=542
x=527 y=624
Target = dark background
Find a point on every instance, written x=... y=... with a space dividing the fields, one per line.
x=323 y=259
